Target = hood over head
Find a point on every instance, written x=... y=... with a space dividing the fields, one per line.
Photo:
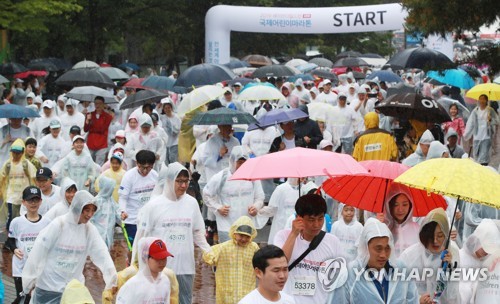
x=439 y=216
x=371 y=120
x=19 y=146
x=341 y=218
x=82 y=198
x=172 y=172
x=436 y=150
x=486 y=236
x=66 y=183
x=373 y=228
x=145 y=118
x=243 y=225
x=143 y=252
x=426 y=138
x=395 y=190
x=237 y=153
x=106 y=187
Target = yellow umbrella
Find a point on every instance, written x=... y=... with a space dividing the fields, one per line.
x=460 y=178
x=492 y=90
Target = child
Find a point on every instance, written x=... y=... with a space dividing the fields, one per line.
x=107 y=210
x=23 y=233
x=154 y=284
x=78 y=164
x=67 y=192
x=235 y=276
x=17 y=173
x=30 y=152
x=115 y=172
x=347 y=229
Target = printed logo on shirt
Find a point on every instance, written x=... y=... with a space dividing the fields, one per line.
x=373 y=147
x=333 y=274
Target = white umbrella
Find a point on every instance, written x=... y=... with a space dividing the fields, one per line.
x=296 y=62
x=447 y=102
x=114 y=73
x=85 y=64
x=199 y=97
x=261 y=92
x=89 y=93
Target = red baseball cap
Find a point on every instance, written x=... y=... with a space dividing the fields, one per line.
x=158 y=250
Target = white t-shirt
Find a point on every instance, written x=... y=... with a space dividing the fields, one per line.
x=255 y=297
x=25 y=233
x=289 y=143
x=306 y=272
x=135 y=191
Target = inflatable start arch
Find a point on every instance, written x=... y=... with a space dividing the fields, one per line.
x=222 y=19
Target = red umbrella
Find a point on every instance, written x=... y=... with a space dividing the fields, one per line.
x=298 y=162
x=370 y=192
x=135 y=83
x=27 y=74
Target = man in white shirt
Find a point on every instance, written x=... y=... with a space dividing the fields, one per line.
x=271 y=269
x=70 y=118
x=327 y=96
x=348 y=126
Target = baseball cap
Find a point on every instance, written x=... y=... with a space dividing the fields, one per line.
x=167 y=100
x=244 y=229
x=48 y=104
x=75 y=130
x=227 y=91
x=325 y=143
x=118 y=156
x=158 y=250
x=30 y=95
x=237 y=84
x=44 y=172
x=120 y=133
x=341 y=95
x=19 y=80
x=78 y=137
x=55 y=124
x=327 y=81
x=31 y=192
x=38 y=100
x=16 y=148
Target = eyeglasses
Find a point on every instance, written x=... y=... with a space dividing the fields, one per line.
x=144 y=168
x=182 y=181
x=34 y=200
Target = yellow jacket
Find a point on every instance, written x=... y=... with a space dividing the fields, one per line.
x=235 y=276
x=374 y=143
x=127 y=273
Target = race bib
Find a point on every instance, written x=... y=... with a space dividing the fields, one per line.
x=304 y=285
x=177 y=236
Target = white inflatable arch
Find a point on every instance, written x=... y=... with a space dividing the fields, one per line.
x=222 y=19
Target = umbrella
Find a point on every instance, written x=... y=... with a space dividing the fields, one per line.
x=236 y=63
x=401 y=88
x=322 y=62
x=471 y=70
x=369 y=192
x=350 y=62
x=134 y=83
x=257 y=60
x=162 y=83
x=348 y=54
x=492 y=90
x=85 y=64
x=16 y=111
x=433 y=81
x=130 y=66
x=384 y=75
x=244 y=72
x=298 y=162
x=12 y=68
x=222 y=116
x=242 y=80
x=43 y=64
x=203 y=74
x=371 y=55
x=142 y=97
x=3 y=79
x=89 y=93
x=275 y=70
x=304 y=77
x=114 y=73
x=305 y=68
x=260 y=92
x=27 y=74
x=326 y=74
x=345 y=70
x=447 y=102
x=413 y=106
x=296 y=62
x=420 y=58
x=85 y=77
x=497 y=80
x=454 y=77
x=358 y=75
x=199 y=97
x=277 y=116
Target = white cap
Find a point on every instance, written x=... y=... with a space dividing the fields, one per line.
x=167 y=100
x=365 y=87
x=325 y=143
x=120 y=133
x=78 y=137
x=38 y=99
x=352 y=86
x=31 y=95
x=19 y=80
x=237 y=84
x=62 y=97
x=227 y=90
x=48 y=104
x=327 y=81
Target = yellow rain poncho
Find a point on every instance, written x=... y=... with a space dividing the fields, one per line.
x=235 y=276
x=76 y=293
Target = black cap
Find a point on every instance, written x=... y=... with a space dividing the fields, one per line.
x=75 y=130
x=31 y=192
x=44 y=172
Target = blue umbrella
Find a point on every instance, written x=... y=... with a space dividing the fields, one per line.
x=304 y=77
x=253 y=84
x=277 y=116
x=454 y=77
x=16 y=111
x=130 y=66
x=162 y=83
x=384 y=75
x=204 y=74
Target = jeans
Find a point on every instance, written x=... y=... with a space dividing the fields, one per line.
x=41 y=296
x=172 y=154
x=131 y=231
x=185 y=288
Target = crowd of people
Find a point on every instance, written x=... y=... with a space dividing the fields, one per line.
x=83 y=170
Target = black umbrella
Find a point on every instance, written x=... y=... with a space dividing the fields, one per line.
x=348 y=54
x=85 y=77
x=371 y=55
x=234 y=64
x=401 y=88
x=222 y=116
x=358 y=75
x=322 y=62
x=241 y=80
x=204 y=74
x=275 y=70
x=420 y=58
x=349 y=62
x=413 y=106
x=325 y=75
x=43 y=65
x=142 y=97
x=12 y=68
x=257 y=60
x=471 y=70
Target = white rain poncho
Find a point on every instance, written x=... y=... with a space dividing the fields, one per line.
x=175 y=220
x=281 y=206
x=406 y=233
x=53 y=148
x=436 y=150
x=162 y=180
x=487 y=291
x=61 y=249
x=67 y=121
x=486 y=232
x=79 y=168
x=474 y=214
x=358 y=289
x=107 y=210
x=61 y=207
x=418 y=156
x=145 y=141
x=213 y=163
x=348 y=233
x=151 y=291
x=259 y=141
x=419 y=257
x=239 y=195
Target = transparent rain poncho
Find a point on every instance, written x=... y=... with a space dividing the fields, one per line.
x=107 y=210
x=63 y=206
x=347 y=233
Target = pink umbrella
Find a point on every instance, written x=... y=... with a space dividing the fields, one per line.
x=298 y=162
